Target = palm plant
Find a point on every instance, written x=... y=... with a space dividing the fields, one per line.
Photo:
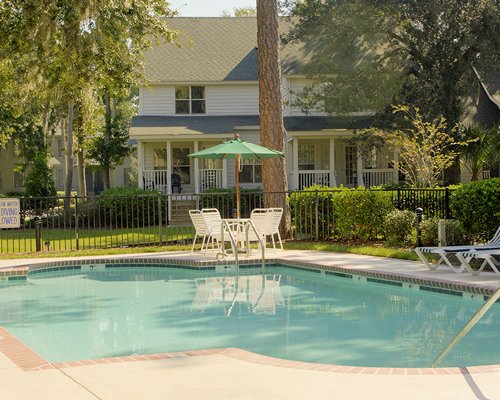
x=481 y=150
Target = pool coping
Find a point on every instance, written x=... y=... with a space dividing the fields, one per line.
x=28 y=360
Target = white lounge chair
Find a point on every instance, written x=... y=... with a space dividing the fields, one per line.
x=445 y=251
x=488 y=257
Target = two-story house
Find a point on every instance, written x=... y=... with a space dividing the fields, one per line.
x=203 y=94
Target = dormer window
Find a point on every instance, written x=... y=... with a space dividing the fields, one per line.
x=190 y=100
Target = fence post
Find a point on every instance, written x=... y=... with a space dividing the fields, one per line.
x=38 y=234
x=76 y=224
x=316 y=211
x=419 y=212
x=447 y=203
x=399 y=198
x=160 y=225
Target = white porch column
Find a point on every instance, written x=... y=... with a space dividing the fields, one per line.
x=224 y=173
x=295 y=164
x=396 y=161
x=333 y=179
x=169 y=167
x=359 y=167
x=140 y=163
x=196 y=169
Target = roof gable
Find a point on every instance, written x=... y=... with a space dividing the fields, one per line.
x=222 y=50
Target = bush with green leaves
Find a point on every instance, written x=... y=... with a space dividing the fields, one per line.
x=359 y=213
x=398 y=227
x=39 y=185
x=126 y=207
x=454 y=232
x=303 y=206
x=477 y=206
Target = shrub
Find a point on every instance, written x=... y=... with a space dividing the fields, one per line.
x=398 y=227
x=126 y=207
x=359 y=213
x=303 y=212
x=455 y=232
x=477 y=206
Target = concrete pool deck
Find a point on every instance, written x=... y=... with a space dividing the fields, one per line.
x=236 y=374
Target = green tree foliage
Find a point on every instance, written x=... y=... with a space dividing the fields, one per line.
x=241 y=12
x=63 y=48
x=365 y=53
x=426 y=148
x=39 y=182
x=111 y=145
x=482 y=150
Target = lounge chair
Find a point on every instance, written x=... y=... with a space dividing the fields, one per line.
x=445 y=251
x=488 y=257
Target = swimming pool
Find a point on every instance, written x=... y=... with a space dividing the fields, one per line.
x=285 y=312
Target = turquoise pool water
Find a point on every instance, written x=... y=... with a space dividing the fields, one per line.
x=286 y=313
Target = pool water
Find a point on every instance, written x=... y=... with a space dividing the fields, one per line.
x=286 y=313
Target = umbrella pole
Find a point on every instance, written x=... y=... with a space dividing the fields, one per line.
x=237 y=164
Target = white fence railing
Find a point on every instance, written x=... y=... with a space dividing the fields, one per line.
x=376 y=177
x=155 y=179
x=316 y=177
x=210 y=178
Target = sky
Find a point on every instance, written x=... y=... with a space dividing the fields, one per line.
x=207 y=8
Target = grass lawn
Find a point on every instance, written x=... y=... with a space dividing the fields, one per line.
x=61 y=240
x=182 y=235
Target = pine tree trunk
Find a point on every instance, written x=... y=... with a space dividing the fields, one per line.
x=272 y=130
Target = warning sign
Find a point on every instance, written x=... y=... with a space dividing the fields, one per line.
x=9 y=213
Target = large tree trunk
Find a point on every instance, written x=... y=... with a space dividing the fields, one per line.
x=82 y=181
x=272 y=130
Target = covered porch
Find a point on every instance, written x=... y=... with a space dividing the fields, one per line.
x=166 y=167
x=334 y=161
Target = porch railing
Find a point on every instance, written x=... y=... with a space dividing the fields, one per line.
x=210 y=178
x=155 y=180
x=377 y=177
x=315 y=177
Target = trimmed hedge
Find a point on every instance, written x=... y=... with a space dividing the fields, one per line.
x=359 y=213
x=477 y=206
x=303 y=212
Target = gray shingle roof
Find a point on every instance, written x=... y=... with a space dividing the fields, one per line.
x=226 y=124
x=223 y=49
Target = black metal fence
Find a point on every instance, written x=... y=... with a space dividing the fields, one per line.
x=79 y=223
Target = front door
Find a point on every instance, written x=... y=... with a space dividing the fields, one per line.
x=181 y=164
x=351 y=165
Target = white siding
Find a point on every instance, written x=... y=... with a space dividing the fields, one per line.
x=232 y=99
x=295 y=86
x=158 y=100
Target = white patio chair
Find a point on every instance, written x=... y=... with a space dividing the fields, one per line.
x=213 y=222
x=200 y=227
x=277 y=214
x=262 y=219
x=445 y=251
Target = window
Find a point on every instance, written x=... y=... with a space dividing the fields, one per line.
x=306 y=156
x=251 y=171
x=190 y=100
x=160 y=159
x=18 y=180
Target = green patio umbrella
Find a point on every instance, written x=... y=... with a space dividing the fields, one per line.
x=237 y=149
